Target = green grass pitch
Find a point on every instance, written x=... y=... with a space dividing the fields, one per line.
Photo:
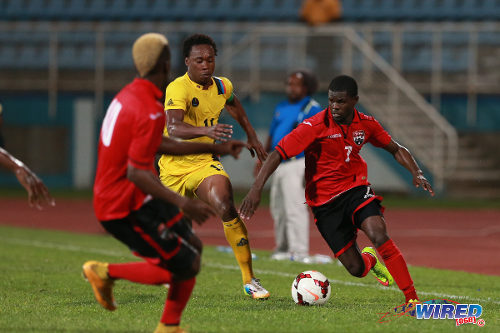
x=41 y=290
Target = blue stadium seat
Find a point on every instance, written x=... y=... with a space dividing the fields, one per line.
x=54 y=10
x=350 y=10
x=117 y=53
x=417 y=60
x=118 y=11
x=35 y=10
x=4 y=9
x=97 y=10
x=487 y=10
x=76 y=50
x=454 y=59
x=207 y=10
x=130 y=10
x=489 y=38
x=76 y=10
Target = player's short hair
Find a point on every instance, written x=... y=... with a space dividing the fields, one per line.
x=197 y=39
x=309 y=80
x=344 y=83
x=147 y=50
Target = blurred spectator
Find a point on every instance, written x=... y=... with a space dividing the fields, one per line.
x=2 y=144
x=317 y=12
x=287 y=201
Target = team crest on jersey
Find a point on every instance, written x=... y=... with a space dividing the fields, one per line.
x=358 y=137
x=170 y=102
x=195 y=102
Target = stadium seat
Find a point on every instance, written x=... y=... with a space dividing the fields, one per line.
x=76 y=50
x=454 y=59
x=489 y=38
x=75 y=10
x=417 y=60
x=54 y=10
x=489 y=10
x=35 y=10
x=7 y=54
x=96 y=10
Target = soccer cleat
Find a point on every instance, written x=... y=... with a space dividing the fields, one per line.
x=379 y=270
x=162 y=328
x=96 y=273
x=255 y=289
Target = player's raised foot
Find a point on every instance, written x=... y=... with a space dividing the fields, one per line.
x=255 y=289
x=96 y=273
x=162 y=328
x=379 y=271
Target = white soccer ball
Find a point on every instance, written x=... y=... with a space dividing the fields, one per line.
x=311 y=288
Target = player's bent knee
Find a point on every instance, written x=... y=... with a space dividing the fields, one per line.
x=186 y=263
x=228 y=212
x=379 y=239
x=189 y=272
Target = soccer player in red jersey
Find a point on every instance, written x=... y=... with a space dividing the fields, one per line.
x=129 y=200
x=38 y=194
x=337 y=188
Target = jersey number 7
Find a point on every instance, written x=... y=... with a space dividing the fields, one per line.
x=348 y=152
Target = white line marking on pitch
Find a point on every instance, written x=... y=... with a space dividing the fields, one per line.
x=75 y=248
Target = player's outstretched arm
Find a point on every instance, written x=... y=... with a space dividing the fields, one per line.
x=405 y=158
x=195 y=209
x=236 y=111
x=258 y=163
x=38 y=194
x=172 y=147
x=178 y=128
x=252 y=199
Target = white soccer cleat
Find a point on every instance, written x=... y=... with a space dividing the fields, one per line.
x=255 y=289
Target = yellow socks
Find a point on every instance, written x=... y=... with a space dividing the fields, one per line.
x=237 y=237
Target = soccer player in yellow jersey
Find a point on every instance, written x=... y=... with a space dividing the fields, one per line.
x=193 y=103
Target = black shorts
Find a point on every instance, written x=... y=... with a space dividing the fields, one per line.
x=159 y=233
x=338 y=221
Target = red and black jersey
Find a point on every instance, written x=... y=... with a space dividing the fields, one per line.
x=333 y=163
x=130 y=135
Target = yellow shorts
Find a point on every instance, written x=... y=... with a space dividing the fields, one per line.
x=187 y=183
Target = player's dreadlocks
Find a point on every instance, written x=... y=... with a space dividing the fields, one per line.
x=309 y=80
x=197 y=39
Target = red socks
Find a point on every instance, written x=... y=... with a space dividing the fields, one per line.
x=369 y=261
x=396 y=265
x=140 y=272
x=146 y=273
x=178 y=296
